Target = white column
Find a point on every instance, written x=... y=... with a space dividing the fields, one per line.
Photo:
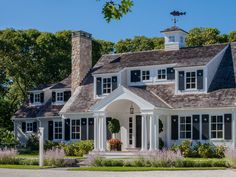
x=144 y=133
x=152 y=135
x=63 y=129
x=103 y=133
x=96 y=134
x=41 y=146
x=234 y=129
x=168 y=131
x=156 y=132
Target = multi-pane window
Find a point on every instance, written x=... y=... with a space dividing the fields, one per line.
x=161 y=74
x=145 y=75
x=191 y=80
x=130 y=130
x=60 y=96
x=75 y=129
x=106 y=85
x=58 y=130
x=29 y=126
x=171 y=38
x=217 y=127
x=185 y=127
x=37 y=97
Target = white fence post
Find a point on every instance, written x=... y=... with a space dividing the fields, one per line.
x=41 y=146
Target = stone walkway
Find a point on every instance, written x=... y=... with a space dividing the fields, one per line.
x=64 y=173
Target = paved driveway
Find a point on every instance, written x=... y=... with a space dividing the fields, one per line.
x=64 y=173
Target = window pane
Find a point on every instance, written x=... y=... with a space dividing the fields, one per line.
x=188 y=119
x=182 y=127
x=188 y=135
x=182 y=135
x=219 y=134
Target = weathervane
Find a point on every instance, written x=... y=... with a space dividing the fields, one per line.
x=176 y=14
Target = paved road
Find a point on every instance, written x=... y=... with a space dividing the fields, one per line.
x=64 y=173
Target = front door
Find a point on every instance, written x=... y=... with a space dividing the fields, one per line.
x=138 y=131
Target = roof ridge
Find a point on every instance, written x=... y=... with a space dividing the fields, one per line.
x=161 y=99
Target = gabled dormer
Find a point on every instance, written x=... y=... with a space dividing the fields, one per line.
x=174 y=38
x=36 y=98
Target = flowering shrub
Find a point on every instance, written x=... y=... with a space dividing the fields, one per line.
x=114 y=144
x=54 y=157
x=8 y=156
x=230 y=155
x=7 y=139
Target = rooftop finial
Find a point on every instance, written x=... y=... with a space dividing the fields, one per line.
x=176 y=14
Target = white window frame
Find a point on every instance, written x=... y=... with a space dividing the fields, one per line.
x=223 y=127
x=29 y=127
x=162 y=69
x=38 y=96
x=61 y=96
x=107 y=88
x=58 y=127
x=185 y=80
x=171 y=39
x=191 y=124
x=144 y=74
x=75 y=132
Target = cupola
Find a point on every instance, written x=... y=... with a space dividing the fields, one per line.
x=174 y=38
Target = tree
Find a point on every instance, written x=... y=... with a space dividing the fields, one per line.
x=232 y=36
x=203 y=36
x=115 y=10
x=139 y=43
x=114 y=127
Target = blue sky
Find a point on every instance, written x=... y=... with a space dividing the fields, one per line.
x=148 y=17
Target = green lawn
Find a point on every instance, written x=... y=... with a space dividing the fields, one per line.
x=142 y=168
x=22 y=166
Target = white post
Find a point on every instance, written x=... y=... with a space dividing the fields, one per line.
x=103 y=133
x=95 y=133
x=144 y=133
x=157 y=133
x=152 y=136
x=41 y=146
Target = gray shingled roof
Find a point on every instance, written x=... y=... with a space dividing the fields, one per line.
x=173 y=28
x=66 y=83
x=189 y=56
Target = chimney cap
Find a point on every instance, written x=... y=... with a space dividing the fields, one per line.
x=81 y=33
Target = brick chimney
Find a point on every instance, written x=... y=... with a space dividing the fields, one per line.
x=81 y=57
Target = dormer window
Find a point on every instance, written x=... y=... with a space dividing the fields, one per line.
x=37 y=98
x=161 y=74
x=60 y=96
x=171 y=38
x=191 y=80
x=106 y=85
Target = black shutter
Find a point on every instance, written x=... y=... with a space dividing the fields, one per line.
x=83 y=129
x=23 y=127
x=205 y=126
x=67 y=129
x=135 y=76
x=114 y=82
x=99 y=86
x=91 y=128
x=35 y=127
x=181 y=80
x=228 y=126
x=174 y=128
x=67 y=95
x=196 y=127
x=170 y=74
x=50 y=130
x=53 y=96
x=199 y=79
x=31 y=98
x=42 y=97
x=108 y=119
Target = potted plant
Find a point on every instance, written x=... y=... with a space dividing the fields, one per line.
x=114 y=127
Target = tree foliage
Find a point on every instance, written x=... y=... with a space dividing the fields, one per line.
x=205 y=36
x=232 y=36
x=116 y=9
x=114 y=126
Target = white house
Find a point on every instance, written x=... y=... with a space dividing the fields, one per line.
x=191 y=90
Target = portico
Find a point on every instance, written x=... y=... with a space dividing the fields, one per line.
x=139 y=129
